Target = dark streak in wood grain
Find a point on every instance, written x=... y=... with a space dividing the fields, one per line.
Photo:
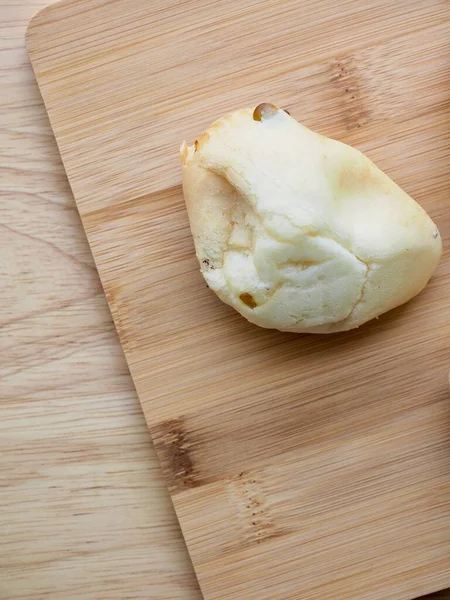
x=174 y=451
x=344 y=75
x=249 y=499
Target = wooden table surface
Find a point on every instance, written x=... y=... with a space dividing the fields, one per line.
x=84 y=512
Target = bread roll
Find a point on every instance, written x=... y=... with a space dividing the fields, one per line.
x=297 y=231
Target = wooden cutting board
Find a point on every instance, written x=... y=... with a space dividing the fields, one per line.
x=300 y=467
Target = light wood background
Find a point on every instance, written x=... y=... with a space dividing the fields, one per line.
x=84 y=512
x=278 y=449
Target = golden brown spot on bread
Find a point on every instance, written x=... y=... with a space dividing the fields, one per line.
x=300 y=264
x=264 y=111
x=248 y=299
x=354 y=178
x=201 y=141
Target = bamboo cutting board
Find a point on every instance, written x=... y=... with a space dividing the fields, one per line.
x=300 y=467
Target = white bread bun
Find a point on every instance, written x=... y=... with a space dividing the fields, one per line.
x=299 y=232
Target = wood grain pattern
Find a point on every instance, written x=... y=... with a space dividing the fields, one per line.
x=299 y=466
x=84 y=511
